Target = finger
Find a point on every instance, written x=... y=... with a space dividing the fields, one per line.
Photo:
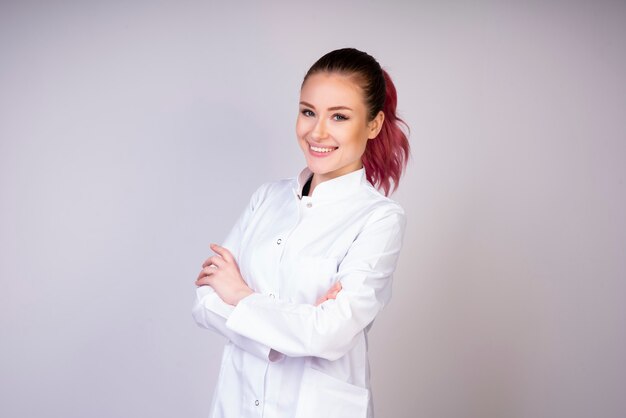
x=212 y=260
x=207 y=271
x=204 y=281
x=215 y=260
x=223 y=252
x=334 y=291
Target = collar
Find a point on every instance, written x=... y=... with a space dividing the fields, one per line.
x=337 y=187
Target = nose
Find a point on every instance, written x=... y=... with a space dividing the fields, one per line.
x=319 y=130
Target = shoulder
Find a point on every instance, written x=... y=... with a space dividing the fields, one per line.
x=278 y=189
x=381 y=206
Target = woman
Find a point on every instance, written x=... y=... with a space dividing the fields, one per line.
x=307 y=267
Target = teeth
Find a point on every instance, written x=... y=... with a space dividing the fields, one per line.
x=319 y=149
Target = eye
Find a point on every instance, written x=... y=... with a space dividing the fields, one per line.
x=307 y=112
x=340 y=117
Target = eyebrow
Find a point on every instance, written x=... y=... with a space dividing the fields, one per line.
x=330 y=108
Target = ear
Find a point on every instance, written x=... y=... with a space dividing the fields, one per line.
x=375 y=125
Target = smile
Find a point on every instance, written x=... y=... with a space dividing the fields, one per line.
x=321 y=149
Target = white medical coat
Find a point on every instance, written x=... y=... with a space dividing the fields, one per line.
x=286 y=357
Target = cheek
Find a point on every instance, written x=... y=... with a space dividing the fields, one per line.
x=358 y=139
x=302 y=127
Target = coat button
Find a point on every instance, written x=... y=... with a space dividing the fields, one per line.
x=256 y=403
x=278 y=241
x=309 y=205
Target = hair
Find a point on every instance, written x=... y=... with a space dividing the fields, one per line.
x=386 y=155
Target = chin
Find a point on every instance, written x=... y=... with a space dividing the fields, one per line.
x=317 y=168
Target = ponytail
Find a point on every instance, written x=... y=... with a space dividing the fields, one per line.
x=386 y=155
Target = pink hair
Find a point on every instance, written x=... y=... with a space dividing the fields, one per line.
x=386 y=156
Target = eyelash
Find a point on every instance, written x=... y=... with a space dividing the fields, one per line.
x=337 y=116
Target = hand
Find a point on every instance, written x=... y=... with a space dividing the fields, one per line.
x=331 y=294
x=221 y=272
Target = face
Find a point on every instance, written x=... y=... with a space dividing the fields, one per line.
x=333 y=126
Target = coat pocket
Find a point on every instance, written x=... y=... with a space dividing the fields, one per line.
x=324 y=396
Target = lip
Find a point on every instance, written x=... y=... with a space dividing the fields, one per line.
x=320 y=154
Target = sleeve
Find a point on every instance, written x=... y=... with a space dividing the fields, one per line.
x=210 y=311
x=331 y=329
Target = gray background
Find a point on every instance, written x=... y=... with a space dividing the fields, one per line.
x=133 y=133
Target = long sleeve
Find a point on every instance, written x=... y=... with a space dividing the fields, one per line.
x=210 y=311
x=332 y=328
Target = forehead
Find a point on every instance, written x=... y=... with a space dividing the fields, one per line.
x=332 y=89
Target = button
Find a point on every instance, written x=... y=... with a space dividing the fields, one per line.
x=272 y=295
x=256 y=403
x=309 y=205
x=278 y=241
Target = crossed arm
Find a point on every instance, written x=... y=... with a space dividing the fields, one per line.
x=264 y=326
x=221 y=272
x=226 y=304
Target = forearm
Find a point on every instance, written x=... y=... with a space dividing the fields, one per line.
x=210 y=312
x=327 y=331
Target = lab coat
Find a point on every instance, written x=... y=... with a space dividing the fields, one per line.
x=286 y=357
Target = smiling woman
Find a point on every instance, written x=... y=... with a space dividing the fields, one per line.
x=333 y=126
x=299 y=280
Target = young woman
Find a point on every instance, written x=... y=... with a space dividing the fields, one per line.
x=308 y=266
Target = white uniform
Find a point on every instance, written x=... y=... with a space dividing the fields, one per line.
x=286 y=357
